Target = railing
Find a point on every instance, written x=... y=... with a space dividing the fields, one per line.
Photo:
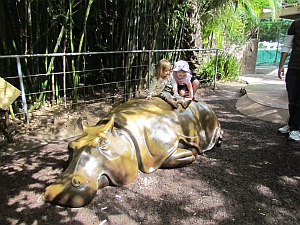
x=127 y=80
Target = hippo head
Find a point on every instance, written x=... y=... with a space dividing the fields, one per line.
x=102 y=156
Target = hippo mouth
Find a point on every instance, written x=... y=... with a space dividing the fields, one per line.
x=103 y=181
x=69 y=198
x=74 y=193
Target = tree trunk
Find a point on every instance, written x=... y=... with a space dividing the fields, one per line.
x=193 y=34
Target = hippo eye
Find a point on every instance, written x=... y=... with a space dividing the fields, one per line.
x=103 y=144
x=76 y=183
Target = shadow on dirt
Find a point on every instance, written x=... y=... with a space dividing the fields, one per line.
x=253 y=178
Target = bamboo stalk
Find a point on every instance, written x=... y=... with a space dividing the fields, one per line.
x=72 y=44
x=50 y=68
x=75 y=75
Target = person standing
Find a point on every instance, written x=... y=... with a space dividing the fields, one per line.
x=292 y=79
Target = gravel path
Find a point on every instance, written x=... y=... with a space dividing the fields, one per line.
x=253 y=178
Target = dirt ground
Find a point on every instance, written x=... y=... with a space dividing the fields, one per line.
x=253 y=178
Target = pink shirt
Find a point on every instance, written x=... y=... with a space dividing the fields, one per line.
x=184 y=80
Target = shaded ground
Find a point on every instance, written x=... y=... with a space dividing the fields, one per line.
x=253 y=178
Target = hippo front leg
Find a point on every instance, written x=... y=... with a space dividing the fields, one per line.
x=181 y=157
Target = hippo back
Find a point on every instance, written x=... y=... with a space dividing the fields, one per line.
x=157 y=129
x=137 y=135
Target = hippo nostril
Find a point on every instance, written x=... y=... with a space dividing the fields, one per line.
x=76 y=183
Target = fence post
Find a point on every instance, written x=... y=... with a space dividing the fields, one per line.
x=216 y=69
x=22 y=90
x=64 y=82
x=149 y=67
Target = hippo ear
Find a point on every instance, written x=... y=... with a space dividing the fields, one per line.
x=84 y=124
x=103 y=144
x=109 y=126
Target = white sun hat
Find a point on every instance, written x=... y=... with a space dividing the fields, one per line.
x=181 y=65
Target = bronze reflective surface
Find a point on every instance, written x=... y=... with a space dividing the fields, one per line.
x=137 y=135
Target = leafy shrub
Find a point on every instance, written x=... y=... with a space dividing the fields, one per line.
x=228 y=68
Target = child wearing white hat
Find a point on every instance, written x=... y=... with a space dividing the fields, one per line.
x=184 y=79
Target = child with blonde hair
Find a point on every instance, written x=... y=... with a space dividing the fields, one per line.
x=164 y=84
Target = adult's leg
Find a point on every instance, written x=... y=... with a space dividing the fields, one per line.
x=293 y=89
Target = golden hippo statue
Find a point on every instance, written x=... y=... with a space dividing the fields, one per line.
x=140 y=135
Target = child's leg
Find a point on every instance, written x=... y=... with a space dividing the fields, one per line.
x=182 y=90
x=185 y=103
x=172 y=102
x=169 y=98
x=182 y=101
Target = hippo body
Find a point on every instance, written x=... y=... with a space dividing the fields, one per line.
x=140 y=135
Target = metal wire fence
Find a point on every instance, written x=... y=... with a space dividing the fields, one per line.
x=100 y=79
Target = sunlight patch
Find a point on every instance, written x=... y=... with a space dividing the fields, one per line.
x=265 y=191
x=25 y=200
x=45 y=175
x=291 y=181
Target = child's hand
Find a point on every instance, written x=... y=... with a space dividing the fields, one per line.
x=149 y=97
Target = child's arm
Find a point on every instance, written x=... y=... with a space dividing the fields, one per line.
x=174 y=84
x=190 y=87
x=175 y=89
x=151 y=88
